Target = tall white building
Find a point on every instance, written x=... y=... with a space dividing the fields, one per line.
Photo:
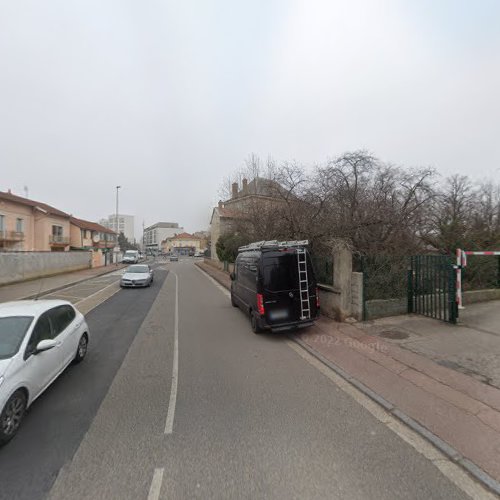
x=155 y=234
x=125 y=225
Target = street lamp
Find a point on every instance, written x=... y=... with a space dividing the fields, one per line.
x=116 y=221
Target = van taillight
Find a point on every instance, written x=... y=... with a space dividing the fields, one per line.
x=260 y=304
x=317 y=298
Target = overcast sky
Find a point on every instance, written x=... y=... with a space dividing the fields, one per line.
x=166 y=98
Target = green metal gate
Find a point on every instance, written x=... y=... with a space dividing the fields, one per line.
x=432 y=287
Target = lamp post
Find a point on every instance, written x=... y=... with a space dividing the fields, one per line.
x=116 y=222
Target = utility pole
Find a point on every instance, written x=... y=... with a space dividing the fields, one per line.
x=143 y=238
x=116 y=220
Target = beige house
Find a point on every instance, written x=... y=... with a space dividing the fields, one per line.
x=86 y=235
x=28 y=225
x=182 y=244
x=259 y=192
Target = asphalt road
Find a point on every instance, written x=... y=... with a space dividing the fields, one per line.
x=249 y=418
x=59 y=419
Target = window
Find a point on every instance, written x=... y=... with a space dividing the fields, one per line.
x=19 y=225
x=57 y=231
x=12 y=332
x=2 y=222
x=61 y=317
x=42 y=331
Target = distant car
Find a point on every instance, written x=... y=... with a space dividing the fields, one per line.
x=199 y=254
x=138 y=275
x=131 y=257
x=174 y=258
x=38 y=340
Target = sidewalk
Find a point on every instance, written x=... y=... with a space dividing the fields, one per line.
x=457 y=413
x=30 y=289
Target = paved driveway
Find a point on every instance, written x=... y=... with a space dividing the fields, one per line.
x=484 y=317
x=471 y=347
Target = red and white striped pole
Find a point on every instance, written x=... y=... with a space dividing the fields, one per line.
x=460 y=261
x=482 y=253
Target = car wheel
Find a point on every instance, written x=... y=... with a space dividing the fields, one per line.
x=233 y=302
x=12 y=415
x=254 y=321
x=81 y=351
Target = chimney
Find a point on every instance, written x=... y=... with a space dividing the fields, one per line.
x=221 y=205
x=245 y=185
x=9 y=191
x=235 y=190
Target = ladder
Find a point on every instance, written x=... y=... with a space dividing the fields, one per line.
x=305 y=307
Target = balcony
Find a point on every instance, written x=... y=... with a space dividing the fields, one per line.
x=11 y=236
x=56 y=240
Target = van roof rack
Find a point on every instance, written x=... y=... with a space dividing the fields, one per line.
x=272 y=244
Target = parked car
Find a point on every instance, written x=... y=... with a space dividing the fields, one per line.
x=138 y=275
x=174 y=258
x=274 y=283
x=38 y=340
x=199 y=254
x=131 y=257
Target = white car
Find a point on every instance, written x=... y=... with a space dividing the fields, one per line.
x=38 y=340
x=138 y=275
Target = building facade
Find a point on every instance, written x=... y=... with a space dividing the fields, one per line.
x=155 y=234
x=123 y=224
x=259 y=193
x=86 y=235
x=182 y=244
x=28 y=225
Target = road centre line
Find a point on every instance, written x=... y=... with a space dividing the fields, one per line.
x=169 y=424
x=155 y=488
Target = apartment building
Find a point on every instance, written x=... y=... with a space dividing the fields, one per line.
x=122 y=224
x=155 y=234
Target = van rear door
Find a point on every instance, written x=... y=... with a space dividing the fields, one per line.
x=280 y=285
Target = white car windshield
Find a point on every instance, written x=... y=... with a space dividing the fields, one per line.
x=12 y=332
x=138 y=269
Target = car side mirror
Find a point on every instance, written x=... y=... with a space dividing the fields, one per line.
x=232 y=276
x=45 y=345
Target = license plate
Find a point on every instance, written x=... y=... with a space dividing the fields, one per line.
x=278 y=314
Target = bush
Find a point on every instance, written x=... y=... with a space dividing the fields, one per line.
x=227 y=246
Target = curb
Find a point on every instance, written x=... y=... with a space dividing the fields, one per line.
x=67 y=285
x=476 y=472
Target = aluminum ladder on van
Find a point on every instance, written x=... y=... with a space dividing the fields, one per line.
x=305 y=306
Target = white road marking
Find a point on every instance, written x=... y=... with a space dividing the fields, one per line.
x=449 y=469
x=155 y=488
x=223 y=289
x=98 y=291
x=169 y=424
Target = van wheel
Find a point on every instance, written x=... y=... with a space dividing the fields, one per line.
x=233 y=303
x=254 y=321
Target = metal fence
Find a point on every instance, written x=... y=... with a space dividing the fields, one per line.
x=384 y=276
x=323 y=269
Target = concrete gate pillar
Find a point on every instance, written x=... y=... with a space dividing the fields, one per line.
x=342 y=279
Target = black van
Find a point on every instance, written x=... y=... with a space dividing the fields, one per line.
x=274 y=283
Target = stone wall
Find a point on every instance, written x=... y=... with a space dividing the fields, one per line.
x=21 y=266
